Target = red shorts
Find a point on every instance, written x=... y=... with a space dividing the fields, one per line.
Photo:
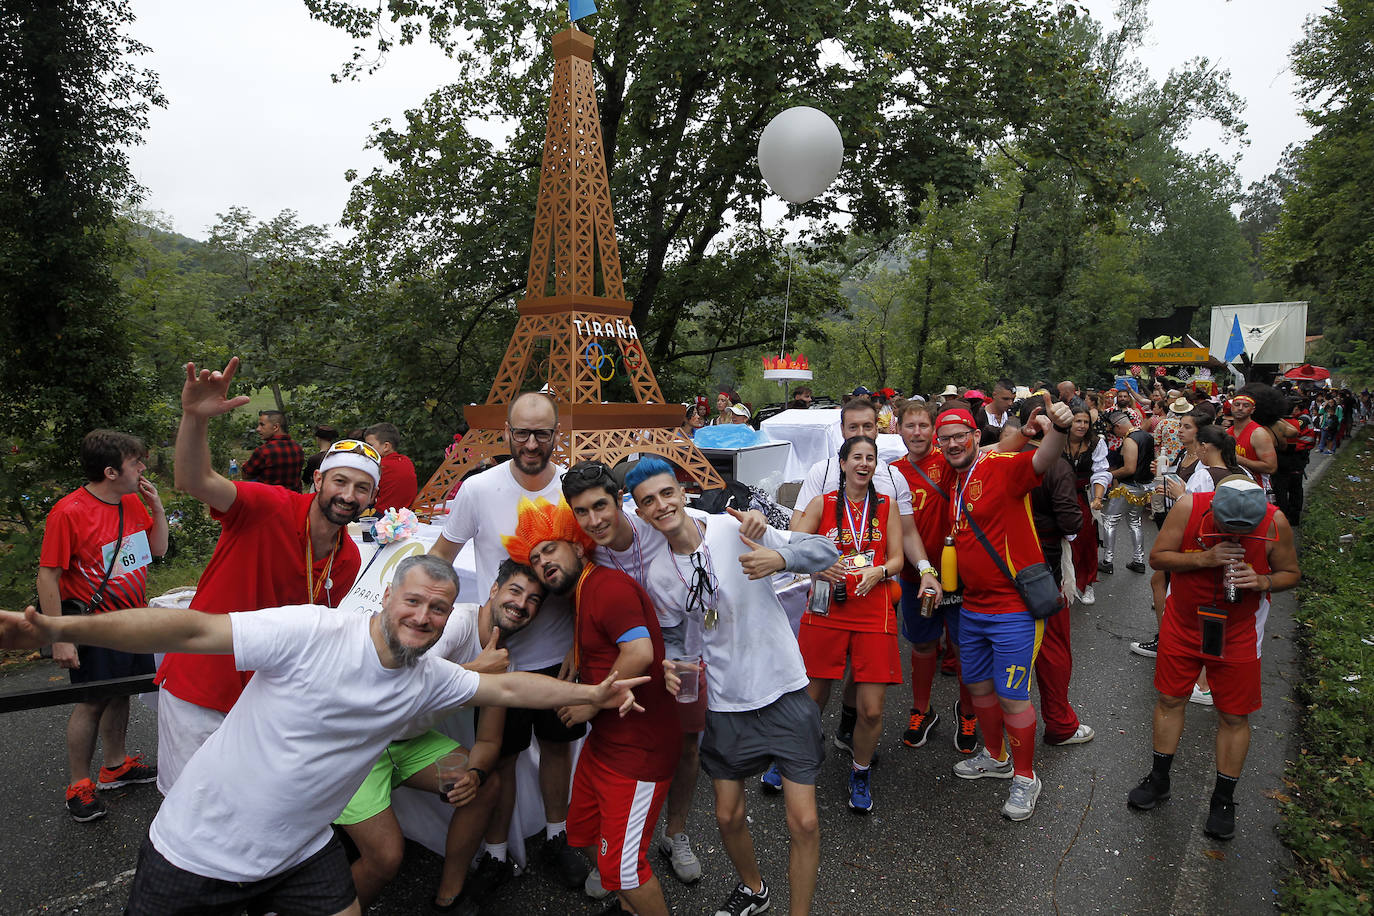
x=874 y=656
x=1235 y=685
x=616 y=815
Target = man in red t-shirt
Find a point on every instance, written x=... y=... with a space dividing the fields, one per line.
x=998 y=637
x=625 y=769
x=277 y=548
x=929 y=476
x=97 y=545
x=1231 y=537
x=398 y=488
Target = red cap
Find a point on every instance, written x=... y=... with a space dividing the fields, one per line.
x=957 y=415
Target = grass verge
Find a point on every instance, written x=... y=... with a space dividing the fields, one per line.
x=1329 y=818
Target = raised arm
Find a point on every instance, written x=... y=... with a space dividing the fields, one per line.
x=527 y=690
x=204 y=395
x=140 y=629
x=1055 y=422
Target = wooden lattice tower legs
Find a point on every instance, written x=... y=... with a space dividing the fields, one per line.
x=574 y=244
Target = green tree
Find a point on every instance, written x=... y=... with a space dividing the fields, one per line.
x=1323 y=246
x=71 y=102
x=920 y=92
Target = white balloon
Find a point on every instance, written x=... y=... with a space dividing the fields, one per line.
x=800 y=153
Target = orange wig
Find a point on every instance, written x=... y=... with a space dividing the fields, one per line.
x=541 y=521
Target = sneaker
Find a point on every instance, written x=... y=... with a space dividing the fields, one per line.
x=489 y=875
x=1201 y=697
x=592 y=886
x=1081 y=735
x=1221 y=820
x=984 y=764
x=569 y=864
x=860 y=793
x=744 y=902
x=82 y=804
x=966 y=738
x=918 y=729
x=1149 y=648
x=462 y=905
x=771 y=780
x=132 y=770
x=1149 y=793
x=1021 y=800
x=678 y=849
x=1088 y=597
x=844 y=740
x=1136 y=566
x=1105 y=567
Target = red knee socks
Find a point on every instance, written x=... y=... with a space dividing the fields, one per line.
x=1021 y=737
x=923 y=665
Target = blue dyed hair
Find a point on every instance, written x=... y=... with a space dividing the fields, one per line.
x=648 y=466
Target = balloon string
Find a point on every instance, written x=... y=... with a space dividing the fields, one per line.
x=786 y=299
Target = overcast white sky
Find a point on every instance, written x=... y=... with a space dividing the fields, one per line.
x=253 y=119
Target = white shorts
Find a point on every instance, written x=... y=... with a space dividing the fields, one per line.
x=182 y=728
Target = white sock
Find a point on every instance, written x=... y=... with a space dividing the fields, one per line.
x=552 y=830
x=497 y=851
x=859 y=769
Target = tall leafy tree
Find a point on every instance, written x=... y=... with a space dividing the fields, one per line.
x=920 y=92
x=72 y=100
x=1323 y=246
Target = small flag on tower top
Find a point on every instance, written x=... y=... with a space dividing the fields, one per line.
x=579 y=8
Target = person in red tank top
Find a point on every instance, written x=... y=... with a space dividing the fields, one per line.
x=859 y=624
x=1228 y=551
x=1255 y=445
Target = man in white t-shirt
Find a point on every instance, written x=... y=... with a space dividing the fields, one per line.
x=716 y=583
x=626 y=542
x=859 y=417
x=411 y=759
x=248 y=822
x=484 y=510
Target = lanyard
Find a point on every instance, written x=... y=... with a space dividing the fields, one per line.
x=639 y=557
x=856 y=535
x=959 y=493
x=577 y=619
x=313 y=586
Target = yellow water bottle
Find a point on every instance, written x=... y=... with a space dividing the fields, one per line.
x=949 y=566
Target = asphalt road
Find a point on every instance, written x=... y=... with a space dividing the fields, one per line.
x=933 y=843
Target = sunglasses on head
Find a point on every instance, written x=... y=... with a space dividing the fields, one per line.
x=591 y=472
x=355 y=445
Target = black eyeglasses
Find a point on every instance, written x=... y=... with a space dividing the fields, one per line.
x=701 y=592
x=590 y=472
x=542 y=436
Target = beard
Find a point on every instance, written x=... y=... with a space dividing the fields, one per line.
x=532 y=464
x=563 y=583
x=406 y=655
x=340 y=511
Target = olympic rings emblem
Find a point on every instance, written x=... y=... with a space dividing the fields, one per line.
x=600 y=361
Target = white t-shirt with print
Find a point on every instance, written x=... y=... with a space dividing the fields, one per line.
x=824 y=477
x=751 y=655
x=259 y=796
x=486 y=507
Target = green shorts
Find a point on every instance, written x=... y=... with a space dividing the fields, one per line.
x=400 y=761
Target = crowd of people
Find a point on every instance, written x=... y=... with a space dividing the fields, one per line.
x=612 y=611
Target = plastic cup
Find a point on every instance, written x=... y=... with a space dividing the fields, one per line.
x=452 y=768
x=688 y=669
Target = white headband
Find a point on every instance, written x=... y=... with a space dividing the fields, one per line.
x=355 y=460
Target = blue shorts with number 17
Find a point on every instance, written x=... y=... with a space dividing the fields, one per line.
x=1000 y=648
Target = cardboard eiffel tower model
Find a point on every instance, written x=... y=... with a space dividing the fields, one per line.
x=575 y=230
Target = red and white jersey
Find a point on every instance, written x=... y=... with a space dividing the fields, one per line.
x=929 y=504
x=1245 y=447
x=1195 y=588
